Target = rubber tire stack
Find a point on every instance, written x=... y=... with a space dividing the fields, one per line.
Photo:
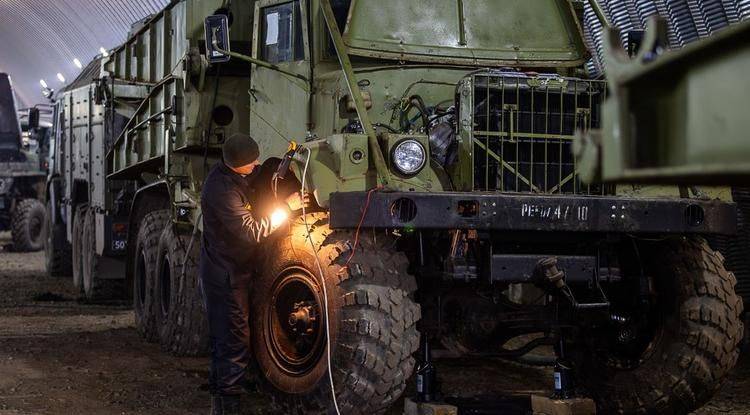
x=698 y=346
x=372 y=314
x=144 y=269
x=183 y=330
x=23 y=219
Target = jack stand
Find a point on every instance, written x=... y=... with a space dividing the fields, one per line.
x=424 y=403
x=426 y=375
x=563 y=373
x=563 y=400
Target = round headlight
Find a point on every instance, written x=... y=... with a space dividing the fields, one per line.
x=409 y=157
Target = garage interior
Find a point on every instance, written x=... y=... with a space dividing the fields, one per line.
x=514 y=207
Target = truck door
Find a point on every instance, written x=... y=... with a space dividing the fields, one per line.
x=279 y=103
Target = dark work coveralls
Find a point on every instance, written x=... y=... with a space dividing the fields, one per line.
x=230 y=238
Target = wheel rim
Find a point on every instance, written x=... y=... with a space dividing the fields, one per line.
x=294 y=330
x=165 y=286
x=36 y=224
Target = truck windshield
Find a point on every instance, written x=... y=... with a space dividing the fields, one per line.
x=486 y=32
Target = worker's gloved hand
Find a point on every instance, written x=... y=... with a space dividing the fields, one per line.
x=295 y=201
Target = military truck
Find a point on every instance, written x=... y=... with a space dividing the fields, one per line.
x=22 y=172
x=436 y=140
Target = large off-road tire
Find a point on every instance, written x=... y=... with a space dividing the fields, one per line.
x=144 y=272
x=57 y=250
x=372 y=317
x=181 y=318
x=77 y=245
x=27 y=225
x=695 y=341
x=96 y=285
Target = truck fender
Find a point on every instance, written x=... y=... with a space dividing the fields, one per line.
x=154 y=196
x=51 y=193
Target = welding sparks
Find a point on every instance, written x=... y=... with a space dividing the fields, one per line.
x=278 y=217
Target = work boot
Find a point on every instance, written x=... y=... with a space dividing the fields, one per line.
x=225 y=405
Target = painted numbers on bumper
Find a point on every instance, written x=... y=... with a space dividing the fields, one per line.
x=528 y=212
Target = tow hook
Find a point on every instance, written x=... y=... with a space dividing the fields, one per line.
x=548 y=274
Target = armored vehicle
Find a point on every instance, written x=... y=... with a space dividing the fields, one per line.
x=22 y=172
x=436 y=140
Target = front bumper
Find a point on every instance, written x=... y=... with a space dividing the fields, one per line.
x=530 y=212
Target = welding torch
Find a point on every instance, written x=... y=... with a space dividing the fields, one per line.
x=281 y=213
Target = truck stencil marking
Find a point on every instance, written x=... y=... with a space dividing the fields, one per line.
x=555 y=212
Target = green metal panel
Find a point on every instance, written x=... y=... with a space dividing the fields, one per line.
x=485 y=32
x=679 y=117
x=176 y=115
x=155 y=50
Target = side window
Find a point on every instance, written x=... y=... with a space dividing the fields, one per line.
x=281 y=33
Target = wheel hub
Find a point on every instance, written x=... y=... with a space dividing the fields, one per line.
x=35 y=228
x=294 y=332
x=303 y=318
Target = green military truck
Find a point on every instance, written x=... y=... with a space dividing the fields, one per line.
x=23 y=142
x=436 y=139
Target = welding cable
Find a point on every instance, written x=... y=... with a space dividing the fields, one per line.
x=359 y=226
x=323 y=283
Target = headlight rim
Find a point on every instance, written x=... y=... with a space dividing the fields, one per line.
x=398 y=168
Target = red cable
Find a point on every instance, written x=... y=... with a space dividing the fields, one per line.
x=359 y=226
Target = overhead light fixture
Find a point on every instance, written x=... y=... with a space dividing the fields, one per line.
x=61 y=77
x=43 y=83
x=103 y=52
x=77 y=63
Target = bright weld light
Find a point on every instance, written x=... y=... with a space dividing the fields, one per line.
x=43 y=83
x=61 y=77
x=103 y=52
x=278 y=217
x=77 y=63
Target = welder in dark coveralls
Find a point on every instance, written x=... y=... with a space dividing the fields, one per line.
x=231 y=235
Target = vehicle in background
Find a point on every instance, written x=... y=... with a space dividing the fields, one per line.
x=23 y=165
x=442 y=157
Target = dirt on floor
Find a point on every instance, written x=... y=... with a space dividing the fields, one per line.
x=59 y=355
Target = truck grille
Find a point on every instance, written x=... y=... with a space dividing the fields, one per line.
x=522 y=129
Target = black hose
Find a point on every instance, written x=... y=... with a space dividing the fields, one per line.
x=386 y=126
x=418 y=102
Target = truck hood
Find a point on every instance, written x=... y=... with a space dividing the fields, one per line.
x=538 y=33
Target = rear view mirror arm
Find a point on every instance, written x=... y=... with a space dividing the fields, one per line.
x=252 y=60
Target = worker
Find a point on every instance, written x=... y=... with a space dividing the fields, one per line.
x=231 y=235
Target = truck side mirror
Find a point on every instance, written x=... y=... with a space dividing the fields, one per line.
x=33 y=118
x=217 y=38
